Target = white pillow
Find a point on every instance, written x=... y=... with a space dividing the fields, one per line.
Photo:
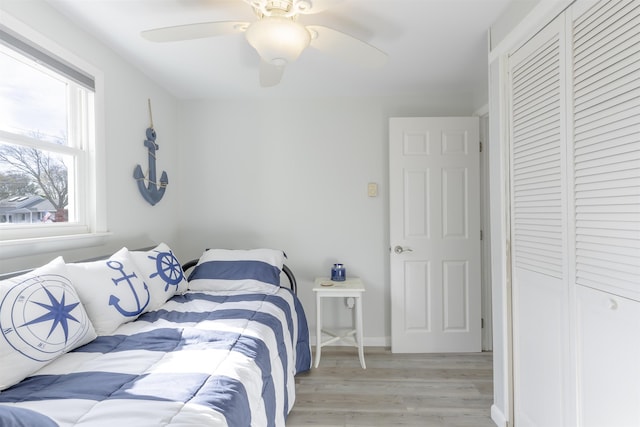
x=41 y=318
x=113 y=291
x=252 y=271
x=162 y=273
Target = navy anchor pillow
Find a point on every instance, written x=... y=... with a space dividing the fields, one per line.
x=113 y=291
x=162 y=273
x=41 y=318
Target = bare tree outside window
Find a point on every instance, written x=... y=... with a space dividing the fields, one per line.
x=14 y=184
x=40 y=171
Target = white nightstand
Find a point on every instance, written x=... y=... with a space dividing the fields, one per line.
x=350 y=288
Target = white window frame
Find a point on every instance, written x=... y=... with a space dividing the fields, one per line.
x=86 y=146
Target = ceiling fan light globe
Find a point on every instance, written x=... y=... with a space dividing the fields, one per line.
x=278 y=39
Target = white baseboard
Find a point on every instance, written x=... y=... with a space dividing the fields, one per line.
x=497 y=416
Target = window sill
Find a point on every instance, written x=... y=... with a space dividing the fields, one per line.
x=33 y=246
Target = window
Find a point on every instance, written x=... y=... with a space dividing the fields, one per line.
x=47 y=143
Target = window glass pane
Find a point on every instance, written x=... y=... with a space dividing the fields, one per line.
x=33 y=103
x=34 y=185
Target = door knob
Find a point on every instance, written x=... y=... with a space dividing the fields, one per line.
x=400 y=249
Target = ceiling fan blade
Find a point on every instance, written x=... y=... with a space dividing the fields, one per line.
x=194 y=31
x=345 y=47
x=270 y=75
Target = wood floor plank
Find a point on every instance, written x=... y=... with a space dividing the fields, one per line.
x=439 y=390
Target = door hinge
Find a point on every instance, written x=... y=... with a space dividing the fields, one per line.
x=481 y=323
x=481 y=235
x=481 y=146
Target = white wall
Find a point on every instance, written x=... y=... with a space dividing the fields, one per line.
x=286 y=173
x=514 y=13
x=130 y=219
x=293 y=174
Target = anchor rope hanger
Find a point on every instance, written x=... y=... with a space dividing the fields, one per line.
x=147 y=180
x=152 y=155
x=150 y=113
x=145 y=177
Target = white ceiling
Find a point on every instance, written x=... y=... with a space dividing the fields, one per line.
x=434 y=47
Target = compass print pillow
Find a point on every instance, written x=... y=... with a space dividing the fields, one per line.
x=41 y=318
x=162 y=273
x=113 y=291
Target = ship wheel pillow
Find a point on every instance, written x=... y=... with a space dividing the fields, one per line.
x=41 y=318
x=239 y=270
x=162 y=273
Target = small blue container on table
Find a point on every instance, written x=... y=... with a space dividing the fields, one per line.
x=338 y=273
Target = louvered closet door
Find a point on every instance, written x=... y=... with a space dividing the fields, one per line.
x=538 y=228
x=607 y=146
x=606 y=70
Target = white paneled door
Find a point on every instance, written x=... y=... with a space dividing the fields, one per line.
x=435 y=234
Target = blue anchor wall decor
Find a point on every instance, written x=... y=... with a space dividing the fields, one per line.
x=153 y=191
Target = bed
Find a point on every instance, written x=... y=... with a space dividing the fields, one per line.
x=129 y=341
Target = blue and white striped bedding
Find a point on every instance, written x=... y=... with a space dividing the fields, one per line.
x=214 y=359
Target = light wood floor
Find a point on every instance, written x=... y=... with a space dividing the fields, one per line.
x=452 y=390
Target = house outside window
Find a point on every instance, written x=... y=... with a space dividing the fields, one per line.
x=47 y=143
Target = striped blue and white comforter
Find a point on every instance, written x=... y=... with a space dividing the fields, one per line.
x=202 y=359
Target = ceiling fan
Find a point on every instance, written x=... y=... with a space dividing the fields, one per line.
x=278 y=37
